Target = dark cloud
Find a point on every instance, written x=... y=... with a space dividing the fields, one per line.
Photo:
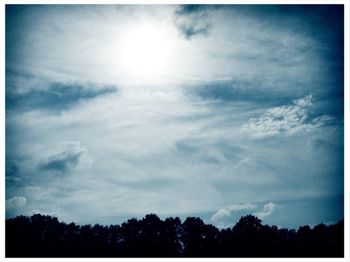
x=55 y=97
x=63 y=161
x=191 y=30
x=237 y=91
x=11 y=169
x=13 y=180
x=259 y=93
x=192 y=20
x=189 y=9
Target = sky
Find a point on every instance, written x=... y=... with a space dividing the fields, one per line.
x=117 y=111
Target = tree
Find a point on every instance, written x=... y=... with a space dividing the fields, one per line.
x=246 y=236
x=45 y=236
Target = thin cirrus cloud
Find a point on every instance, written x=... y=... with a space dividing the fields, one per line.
x=251 y=112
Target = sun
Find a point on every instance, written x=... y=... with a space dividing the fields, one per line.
x=146 y=50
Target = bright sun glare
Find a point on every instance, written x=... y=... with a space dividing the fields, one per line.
x=146 y=51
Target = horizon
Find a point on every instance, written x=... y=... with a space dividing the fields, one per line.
x=182 y=220
x=122 y=111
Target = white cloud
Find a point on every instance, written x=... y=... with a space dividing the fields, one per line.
x=226 y=212
x=14 y=203
x=288 y=119
x=323 y=121
x=225 y=216
x=266 y=211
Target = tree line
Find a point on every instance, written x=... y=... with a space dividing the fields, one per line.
x=44 y=236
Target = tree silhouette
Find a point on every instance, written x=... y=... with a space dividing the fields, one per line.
x=45 y=236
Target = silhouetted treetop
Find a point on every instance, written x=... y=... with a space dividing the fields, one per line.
x=45 y=236
x=248 y=223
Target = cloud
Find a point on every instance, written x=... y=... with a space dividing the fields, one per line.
x=226 y=216
x=15 y=203
x=11 y=169
x=226 y=212
x=192 y=21
x=236 y=90
x=267 y=210
x=66 y=160
x=12 y=179
x=286 y=119
x=189 y=9
x=179 y=144
x=54 y=96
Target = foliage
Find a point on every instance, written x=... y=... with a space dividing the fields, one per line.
x=45 y=236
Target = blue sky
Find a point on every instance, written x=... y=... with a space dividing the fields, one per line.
x=214 y=111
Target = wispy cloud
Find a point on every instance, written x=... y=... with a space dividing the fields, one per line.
x=54 y=97
x=66 y=160
x=180 y=141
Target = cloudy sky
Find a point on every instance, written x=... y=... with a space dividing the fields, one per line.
x=118 y=111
